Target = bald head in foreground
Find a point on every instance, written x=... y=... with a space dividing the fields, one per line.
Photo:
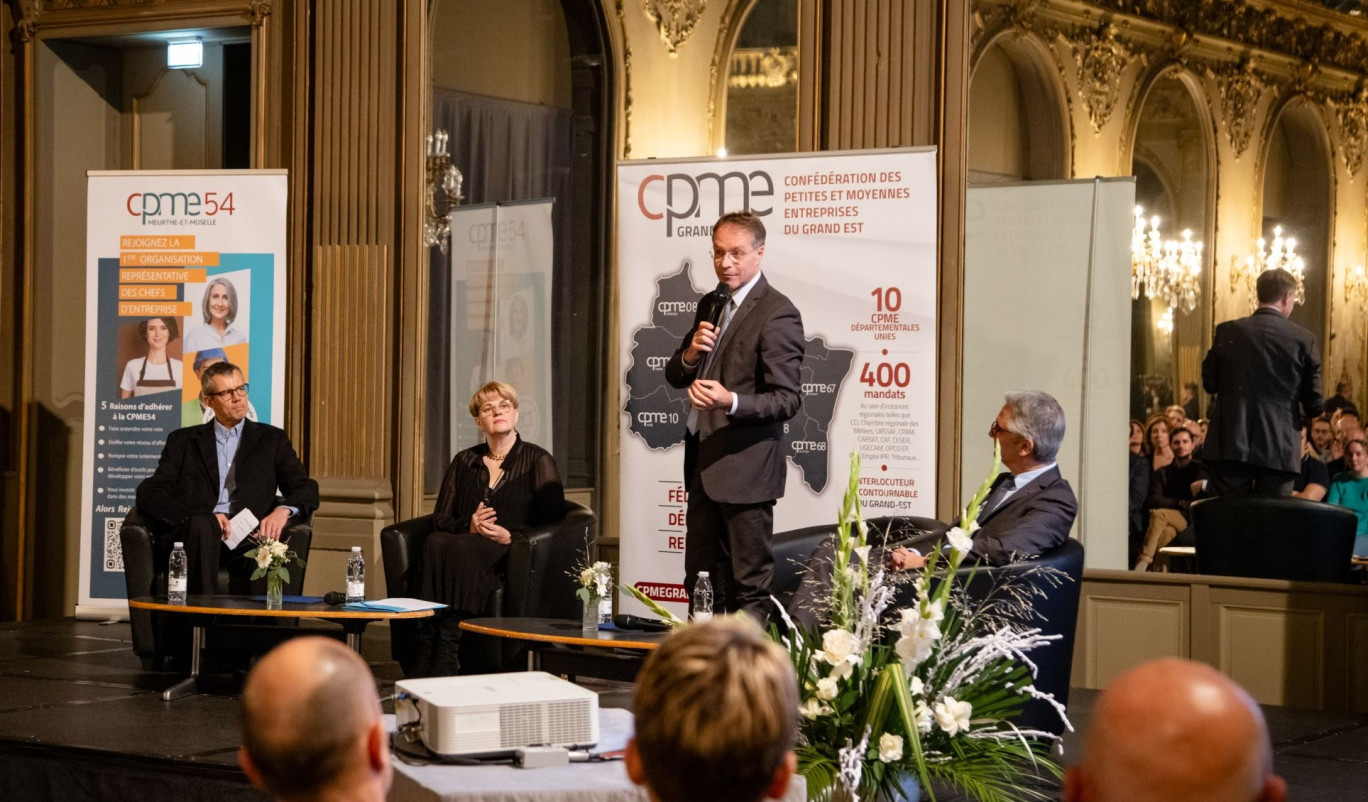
x=1176 y=731
x=716 y=713
x=311 y=725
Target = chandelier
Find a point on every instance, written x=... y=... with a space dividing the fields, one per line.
x=1281 y=253
x=443 y=175
x=1165 y=322
x=1168 y=271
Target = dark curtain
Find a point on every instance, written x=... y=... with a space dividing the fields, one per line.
x=508 y=151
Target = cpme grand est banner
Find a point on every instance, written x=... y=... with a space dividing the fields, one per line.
x=851 y=240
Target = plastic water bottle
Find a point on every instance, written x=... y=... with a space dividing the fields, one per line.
x=356 y=576
x=177 y=577
x=703 y=597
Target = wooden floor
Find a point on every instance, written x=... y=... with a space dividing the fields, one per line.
x=80 y=719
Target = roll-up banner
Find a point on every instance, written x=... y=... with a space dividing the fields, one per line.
x=183 y=268
x=851 y=240
x=501 y=265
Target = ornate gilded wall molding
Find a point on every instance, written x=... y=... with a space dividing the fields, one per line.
x=1241 y=90
x=1353 y=131
x=1100 y=59
x=675 y=19
x=626 y=80
x=1298 y=33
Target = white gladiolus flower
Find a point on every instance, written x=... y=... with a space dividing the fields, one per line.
x=921 y=716
x=932 y=611
x=842 y=669
x=862 y=552
x=973 y=527
x=918 y=636
x=838 y=645
x=813 y=708
x=890 y=747
x=827 y=688
x=953 y=716
x=959 y=540
x=916 y=686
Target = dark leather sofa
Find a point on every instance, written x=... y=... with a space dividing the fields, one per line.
x=1057 y=609
x=1275 y=538
x=537 y=584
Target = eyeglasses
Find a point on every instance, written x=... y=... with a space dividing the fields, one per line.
x=502 y=408
x=736 y=254
x=994 y=430
x=229 y=394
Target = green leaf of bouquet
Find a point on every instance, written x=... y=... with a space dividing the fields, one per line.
x=284 y=574
x=665 y=615
x=257 y=574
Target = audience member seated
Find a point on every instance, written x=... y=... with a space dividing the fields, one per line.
x=312 y=727
x=1157 y=443
x=1187 y=396
x=1346 y=428
x=490 y=494
x=1322 y=437
x=1139 y=491
x=1172 y=490
x=211 y=472
x=1314 y=480
x=1176 y=417
x=1029 y=511
x=1137 y=437
x=1350 y=489
x=1341 y=399
x=716 y=711
x=1175 y=731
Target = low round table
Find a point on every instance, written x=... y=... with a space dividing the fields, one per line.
x=588 y=653
x=202 y=608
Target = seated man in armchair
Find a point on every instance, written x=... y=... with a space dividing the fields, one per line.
x=1029 y=510
x=210 y=472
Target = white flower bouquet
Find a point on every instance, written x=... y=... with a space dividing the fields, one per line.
x=272 y=558
x=935 y=703
x=595 y=581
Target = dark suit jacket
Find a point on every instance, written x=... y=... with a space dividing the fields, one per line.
x=740 y=458
x=1265 y=373
x=186 y=481
x=1032 y=521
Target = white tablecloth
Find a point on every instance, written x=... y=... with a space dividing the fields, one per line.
x=578 y=782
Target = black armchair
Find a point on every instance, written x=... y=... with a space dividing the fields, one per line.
x=537 y=584
x=145 y=575
x=1056 y=608
x=1274 y=538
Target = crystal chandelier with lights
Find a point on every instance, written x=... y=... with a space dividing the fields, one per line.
x=1168 y=271
x=1280 y=253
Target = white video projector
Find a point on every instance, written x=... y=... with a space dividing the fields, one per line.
x=487 y=715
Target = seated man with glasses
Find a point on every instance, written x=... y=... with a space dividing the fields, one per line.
x=210 y=472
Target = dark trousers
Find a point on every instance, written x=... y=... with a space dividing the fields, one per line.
x=732 y=542
x=1229 y=478
x=204 y=550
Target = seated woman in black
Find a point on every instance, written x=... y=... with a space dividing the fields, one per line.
x=491 y=493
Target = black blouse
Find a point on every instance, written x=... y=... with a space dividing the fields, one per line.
x=529 y=493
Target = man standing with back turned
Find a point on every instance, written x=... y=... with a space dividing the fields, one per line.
x=1265 y=374
x=742 y=375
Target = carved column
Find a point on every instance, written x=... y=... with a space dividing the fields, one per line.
x=357 y=251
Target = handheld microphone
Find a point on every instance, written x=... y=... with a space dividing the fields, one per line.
x=334 y=597
x=720 y=298
x=637 y=622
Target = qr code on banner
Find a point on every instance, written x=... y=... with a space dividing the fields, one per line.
x=113 y=551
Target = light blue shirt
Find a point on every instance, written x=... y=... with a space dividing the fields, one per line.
x=226 y=444
x=1020 y=480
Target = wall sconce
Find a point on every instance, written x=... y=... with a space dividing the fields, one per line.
x=1282 y=252
x=1165 y=322
x=1356 y=297
x=443 y=175
x=184 y=54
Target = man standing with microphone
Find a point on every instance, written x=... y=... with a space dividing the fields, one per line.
x=740 y=362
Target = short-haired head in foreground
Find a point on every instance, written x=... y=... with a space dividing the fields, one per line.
x=311 y=724
x=1176 y=731
x=716 y=713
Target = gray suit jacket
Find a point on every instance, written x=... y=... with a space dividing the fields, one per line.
x=740 y=458
x=1265 y=373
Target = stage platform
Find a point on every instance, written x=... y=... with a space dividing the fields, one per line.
x=81 y=720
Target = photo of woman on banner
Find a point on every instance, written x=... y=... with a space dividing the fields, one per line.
x=156 y=371
x=193 y=410
x=219 y=308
